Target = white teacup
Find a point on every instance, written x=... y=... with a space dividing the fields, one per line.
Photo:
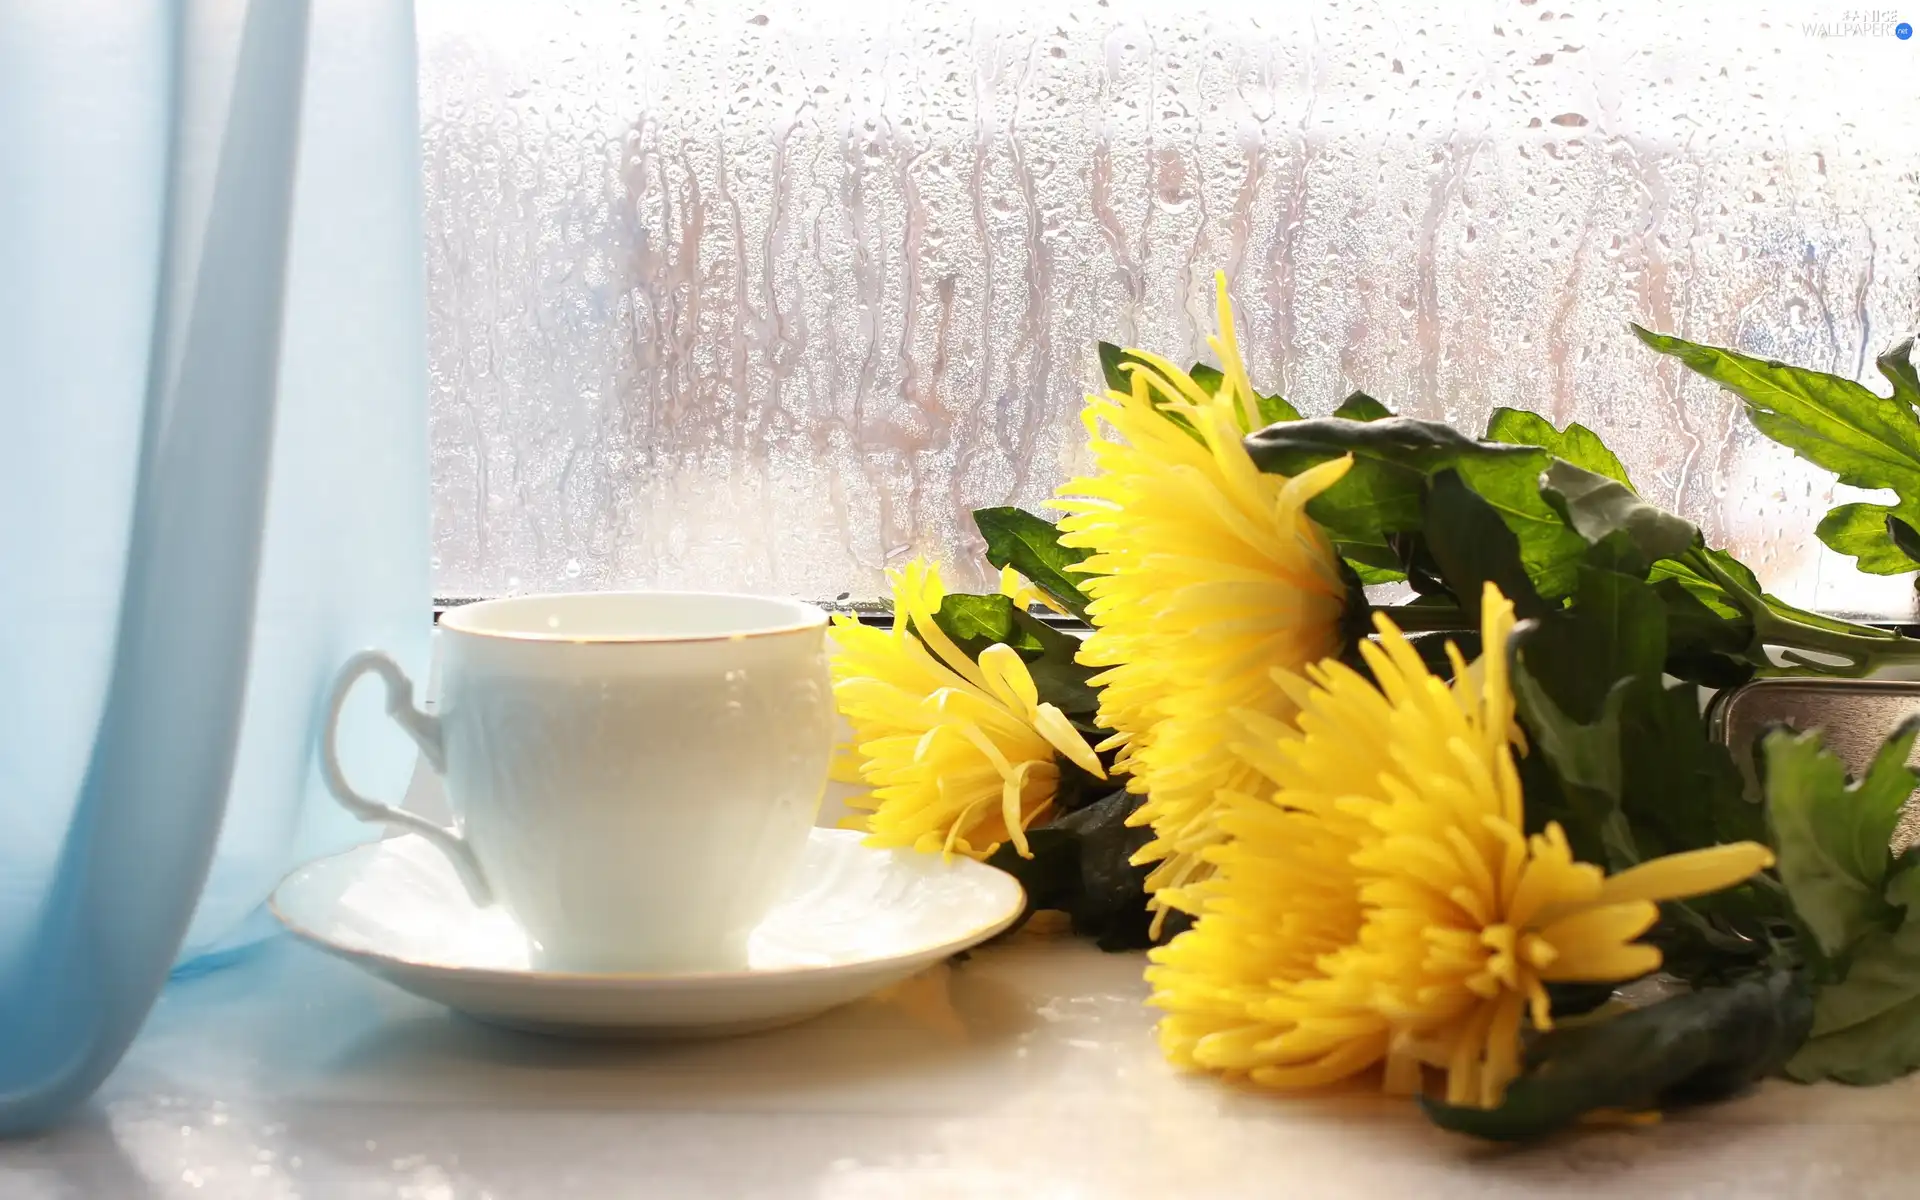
x=633 y=774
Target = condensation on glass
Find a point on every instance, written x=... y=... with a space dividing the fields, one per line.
x=769 y=295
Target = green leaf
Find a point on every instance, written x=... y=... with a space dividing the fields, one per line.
x=1082 y=866
x=1031 y=546
x=1597 y=506
x=1862 y=531
x=1680 y=788
x=1272 y=409
x=1615 y=629
x=1392 y=458
x=1710 y=639
x=1057 y=673
x=1692 y=1048
x=1275 y=408
x=1113 y=357
x=1833 y=838
x=1361 y=407
x=1704 y=588
x=1371 y=563
x=1638 y=772
x=1473 y=547
x=975 y=622
x=1576 y=444
x=1705 y=646
x=1383 y=494
x=1897 y=366
x=1572 y=774
x=1830 y=421
x=1550 y=550
x=1866 y=1028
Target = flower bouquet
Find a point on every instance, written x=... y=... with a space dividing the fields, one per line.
x=1424 y=846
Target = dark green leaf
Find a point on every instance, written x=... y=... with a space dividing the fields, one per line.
x=1422 y=571
x=1576 y=444
x=1904 y=536
x=1701 y=586
x=1361 y=407
x=1710 y=638
x=1082 y=866
x=1079 y=787
x=1401 y=449
x=1617 y=552
x=1050 y=877
x=1057 y=673
x=1615 y=629
x=1597 y=506
x=1680 y=789
x=1689 y=1049
x=1636 y=770
x=1583 y=814
x=1862 y=532
x=1833 y=837
x=1383 y=493
x=1473 y=547
x=1031 y=546
x=1577 y=999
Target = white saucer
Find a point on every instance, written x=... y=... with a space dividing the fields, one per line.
x=853 y=921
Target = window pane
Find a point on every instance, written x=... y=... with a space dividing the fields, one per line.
x=768 y=295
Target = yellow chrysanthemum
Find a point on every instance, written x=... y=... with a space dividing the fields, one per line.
x=1205 y=574
x=1384 y=907
x=959 y=754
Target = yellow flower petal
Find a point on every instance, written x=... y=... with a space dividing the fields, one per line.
x=1204 y=575
x=1381 y=907
x=1694 y=873
x=1015 y=587
x=958 y=755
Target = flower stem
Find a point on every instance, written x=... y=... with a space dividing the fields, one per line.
x=1425 y=618
x=1860 y=648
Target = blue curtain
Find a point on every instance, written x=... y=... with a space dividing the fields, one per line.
x=212 y=481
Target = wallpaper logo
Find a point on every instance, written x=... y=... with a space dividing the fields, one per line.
x=1861 y=22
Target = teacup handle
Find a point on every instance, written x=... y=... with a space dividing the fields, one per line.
x=425 y=732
